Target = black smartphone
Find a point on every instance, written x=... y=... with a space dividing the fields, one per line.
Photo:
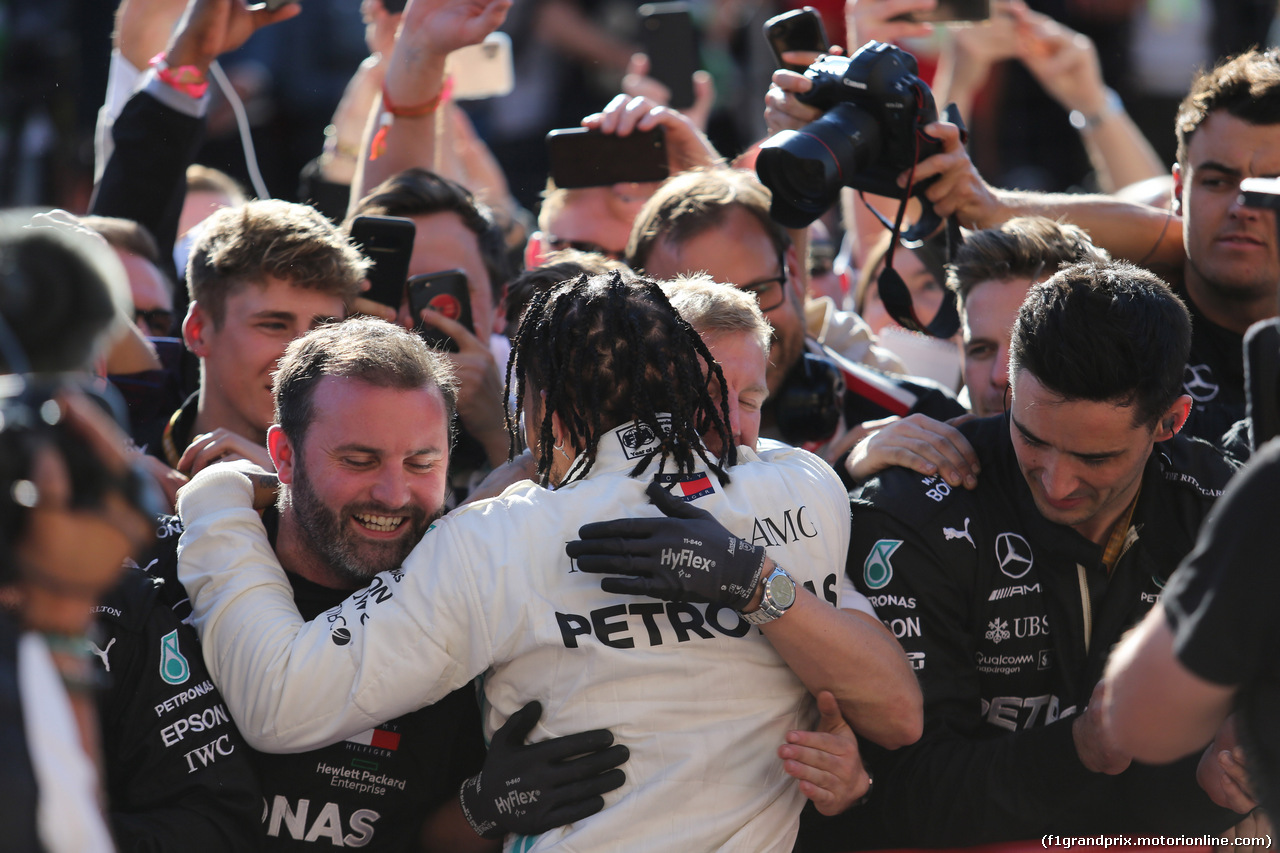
x=799 y=29
x=1260 y=192
x=671 y=43
x=588 y=158
x=950 y=10
x=447 y=293
x=387 y=241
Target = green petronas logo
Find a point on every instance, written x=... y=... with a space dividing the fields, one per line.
x=173 y=666
x=877 y=570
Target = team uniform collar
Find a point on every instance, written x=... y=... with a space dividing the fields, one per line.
x=624 y=447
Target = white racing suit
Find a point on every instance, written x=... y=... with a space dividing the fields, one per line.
x=701 y=699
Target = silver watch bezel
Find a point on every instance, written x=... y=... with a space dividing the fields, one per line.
x=770 y=607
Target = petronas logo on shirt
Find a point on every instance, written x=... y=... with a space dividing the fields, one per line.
x=173 y=666
x=877 y=570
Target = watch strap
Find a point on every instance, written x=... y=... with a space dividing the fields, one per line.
x=1111 y=106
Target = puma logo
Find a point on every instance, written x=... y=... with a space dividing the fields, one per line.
x=951 y=533
x=102 y=653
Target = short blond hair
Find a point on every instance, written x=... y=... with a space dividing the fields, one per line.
x=713 y=308
x=240 y=246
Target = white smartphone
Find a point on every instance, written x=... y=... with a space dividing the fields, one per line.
x=482 y=70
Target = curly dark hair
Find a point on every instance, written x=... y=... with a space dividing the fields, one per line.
x=608 y=349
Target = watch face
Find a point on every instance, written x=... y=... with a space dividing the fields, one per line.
x=782 y=589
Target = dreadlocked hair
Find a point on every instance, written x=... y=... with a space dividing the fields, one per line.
x=607 y=350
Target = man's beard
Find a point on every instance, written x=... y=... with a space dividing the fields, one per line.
x=342 y=549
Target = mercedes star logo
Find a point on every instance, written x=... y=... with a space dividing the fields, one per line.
x=1197 y=380
x=1013 y=553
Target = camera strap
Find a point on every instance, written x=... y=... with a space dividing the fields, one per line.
x=896 y=297
x=894 y=294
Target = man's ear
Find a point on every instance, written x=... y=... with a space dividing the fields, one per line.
x=797 y=270
x=1173 y=420
x=282 y=453
x=195 y=329
x=1177 y=189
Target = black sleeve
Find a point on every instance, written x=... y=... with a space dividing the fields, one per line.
x=1220 y=601
x=957 y=785
x=178 y=773
x=145 y=178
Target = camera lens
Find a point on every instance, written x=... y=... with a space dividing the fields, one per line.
x=806 y=168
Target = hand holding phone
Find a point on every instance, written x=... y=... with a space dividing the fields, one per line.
x=447 y=293
x=387 y=241
x=799 y=29
x=589 y=158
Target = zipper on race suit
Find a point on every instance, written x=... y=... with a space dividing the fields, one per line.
x=1087 y=606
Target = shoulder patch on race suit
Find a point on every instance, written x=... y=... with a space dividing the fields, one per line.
x=637 y=439
x=686 y=487
x=877 y=570
x=920 y=501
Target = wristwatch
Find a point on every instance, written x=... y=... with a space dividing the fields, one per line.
x=1112 y=105
x=779 y=594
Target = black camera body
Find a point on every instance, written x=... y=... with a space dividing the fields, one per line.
x=872 y=130
x=32 y=419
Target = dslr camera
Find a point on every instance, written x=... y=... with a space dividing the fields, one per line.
x=31 y=419
x=872 y=130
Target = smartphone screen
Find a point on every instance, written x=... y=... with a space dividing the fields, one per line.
x=1260 y=192
x=799 y=29
x=387 y=241
x=587 y=158
x=446 y=292
x=951 y=10
x=671 y=43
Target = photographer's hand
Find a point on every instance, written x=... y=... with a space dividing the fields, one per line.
x=782 y=111
x=959 y=191
x=69 y=554
x=683 y=555
x=530 y=788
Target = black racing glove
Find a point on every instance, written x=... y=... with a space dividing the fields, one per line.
x=686 y=556
x=531 y=788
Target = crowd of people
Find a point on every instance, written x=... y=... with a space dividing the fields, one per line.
x=687 y=537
